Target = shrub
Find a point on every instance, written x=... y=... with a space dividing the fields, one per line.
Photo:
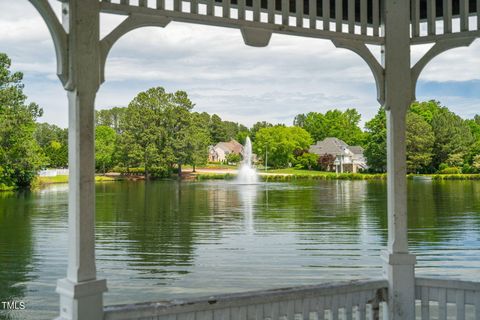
x=442 y=166
x=325 y=162
x=159 y=172
x=215 y=176
x=233 y=158
x=135 y=171
x=476 y=163
x=306 y=161
x=450 y=170
x=456 y=177
x=468 y=168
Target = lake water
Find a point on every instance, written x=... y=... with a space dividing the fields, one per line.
x=168 y=239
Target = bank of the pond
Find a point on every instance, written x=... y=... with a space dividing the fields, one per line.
x=42 y=181
x=270 y=175
x=289 y=175
x=320 y=176
x=4 y=188
x=294 y=174
x=453 y=176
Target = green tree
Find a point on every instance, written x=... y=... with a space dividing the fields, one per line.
x=105 y=139
x=177 y=123
x=307 y=160
x=420 y=140
x=314 y=123
x=231 y=128
x=110 y=117
x=299 y=120
x=143 y=134
x=221 y=130
x=334 y=123
x=426 y=109
x=455 y=160
x=54 y=142
x=476 y=163
x=199 y=140
x=242 y=136
x=218 y=132
x=156 y=131
x=57 y=154
x=474 y=149
x=376 y=142
x=281 y=143
x=199 y=147
x=20 y=155
x=256 y=127
x=453 y=137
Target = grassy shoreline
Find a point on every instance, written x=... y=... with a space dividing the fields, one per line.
x=279 y=175
x=294 y=174
x=459 y=176
x=289 y=177
x=271 y=175
x=43 y=181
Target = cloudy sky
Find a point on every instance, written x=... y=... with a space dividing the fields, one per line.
x=221 y=75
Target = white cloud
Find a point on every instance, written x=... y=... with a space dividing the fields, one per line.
x=292 y=75
x=461 y=64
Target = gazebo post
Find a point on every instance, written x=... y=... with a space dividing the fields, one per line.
x=81 y=293
x=399 y=264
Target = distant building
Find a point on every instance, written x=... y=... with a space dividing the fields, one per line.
x=347 y=158
x=220 y=151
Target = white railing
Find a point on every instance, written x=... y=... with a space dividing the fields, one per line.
x=359 y=300
x=447 y=299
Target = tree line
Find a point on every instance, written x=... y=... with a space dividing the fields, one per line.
x=437 y=140
x=159 y=132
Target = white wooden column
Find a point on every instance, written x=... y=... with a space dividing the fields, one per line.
x=399 y=264
x=81 y=293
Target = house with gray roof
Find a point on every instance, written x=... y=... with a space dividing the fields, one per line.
x=346 y=158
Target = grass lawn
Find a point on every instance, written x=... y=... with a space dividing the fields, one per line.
x=212 y=166
x=292 y=174
x=297 y=172
x=64 y=179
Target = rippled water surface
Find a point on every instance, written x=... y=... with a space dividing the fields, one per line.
x=166 y=239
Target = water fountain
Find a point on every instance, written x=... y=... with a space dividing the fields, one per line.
x=247 y=174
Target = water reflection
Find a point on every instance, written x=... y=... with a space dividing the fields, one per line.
x=248 y=196
x=155 y=227
x=165 y=239
x=16 y=247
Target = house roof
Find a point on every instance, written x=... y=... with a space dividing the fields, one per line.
x=333 y=146
x=232 y=146
x=356 y=149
